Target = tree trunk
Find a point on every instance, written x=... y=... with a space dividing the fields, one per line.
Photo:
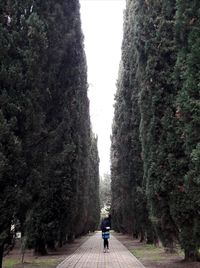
x=51 y=245
x=142 y=236
x=1 y=255
x=170 y=247
x=70 y=238
x=135 y=235
x=40 y=248
x=191 y=255
x=60 y=243
x=150 y=240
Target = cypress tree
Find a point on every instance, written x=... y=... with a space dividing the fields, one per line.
x=10 y=164
x=168 y=121
x=188 y=125
x=157 y=114
x=128 y=198
x=93 y=202
x=65 y=165
x=44 y=107
x=11 y=82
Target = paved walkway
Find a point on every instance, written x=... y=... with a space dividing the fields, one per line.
x=90 y=255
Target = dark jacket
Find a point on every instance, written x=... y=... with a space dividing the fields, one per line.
x=106 y=223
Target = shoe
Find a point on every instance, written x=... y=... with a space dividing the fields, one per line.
x=108 y=250
x=104 y=251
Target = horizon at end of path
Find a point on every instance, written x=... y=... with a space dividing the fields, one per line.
x=91 y=255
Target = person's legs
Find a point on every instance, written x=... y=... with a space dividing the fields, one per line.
x=104 y=244
x=107 y=244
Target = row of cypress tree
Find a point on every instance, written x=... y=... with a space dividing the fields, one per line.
x=155 y=150
x=48 y=154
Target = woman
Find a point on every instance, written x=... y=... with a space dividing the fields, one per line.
x=105 y=228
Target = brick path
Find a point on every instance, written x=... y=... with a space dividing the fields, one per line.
x=90 y=255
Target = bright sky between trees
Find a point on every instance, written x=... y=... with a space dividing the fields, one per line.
x=102 y=25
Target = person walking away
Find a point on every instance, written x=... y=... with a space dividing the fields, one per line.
x=105 y=228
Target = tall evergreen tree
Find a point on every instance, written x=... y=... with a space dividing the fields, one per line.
x=93 y=200
x=188 y=122
x=45 y=110
x=157 y=113
x=65 y=170
x=168 y=121
x=128 y=198
x=12 y=164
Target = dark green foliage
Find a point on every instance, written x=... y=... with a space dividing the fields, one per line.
x=157 y=103
x=11 y=163
x=147 y=92
x=188 y=117
x=10 y=149
x=157 y=115
x=128 y=199
x=65 y=167
x=93 y=202
x=49 y=158
x=63 y=121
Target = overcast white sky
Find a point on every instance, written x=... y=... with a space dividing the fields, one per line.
x=102 y=25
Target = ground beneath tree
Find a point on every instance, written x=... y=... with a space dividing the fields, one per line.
x=13 y=260
x=150 y=256
x=154 y=257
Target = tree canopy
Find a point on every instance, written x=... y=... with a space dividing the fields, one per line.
x=155 y=139
x=48 y=154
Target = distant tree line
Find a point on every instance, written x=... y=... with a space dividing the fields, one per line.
x=105 y=194
x=155 y=149
x=48 y=154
